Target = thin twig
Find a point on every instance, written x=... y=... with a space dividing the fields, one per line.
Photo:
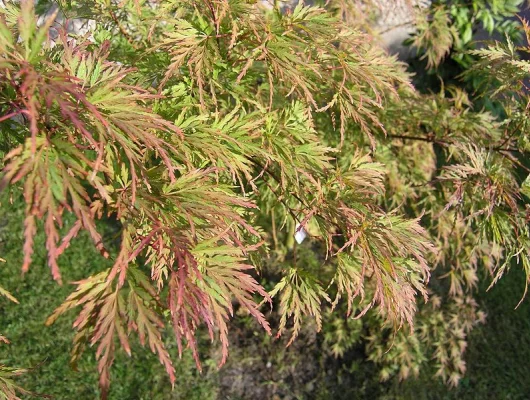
x=430 y=139
x=122 y=29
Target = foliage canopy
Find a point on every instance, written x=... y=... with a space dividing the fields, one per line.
x=209 y=133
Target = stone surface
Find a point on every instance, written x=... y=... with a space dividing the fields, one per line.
x=394 y=19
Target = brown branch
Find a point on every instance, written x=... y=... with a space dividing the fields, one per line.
x=446 y=143
x=430 y=139
x=279 y=198
x=509 y=149
x=277 y=179
x=215 y=22
x=513 y=159
x=122 y=29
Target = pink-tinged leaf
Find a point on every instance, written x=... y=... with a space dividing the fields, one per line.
x=30 y=229
x=52 y=238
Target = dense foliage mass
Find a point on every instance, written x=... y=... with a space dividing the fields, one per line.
x=248 y=159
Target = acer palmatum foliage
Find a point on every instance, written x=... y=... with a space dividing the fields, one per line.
x=209 y=132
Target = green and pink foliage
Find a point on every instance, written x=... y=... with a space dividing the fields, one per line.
x=210 y=132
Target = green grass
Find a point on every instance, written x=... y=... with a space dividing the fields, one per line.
x=497 y=356
x=46 y=349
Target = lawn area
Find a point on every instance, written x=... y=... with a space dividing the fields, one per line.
x=498 y=353
x=46 y=349
x=497 y=356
